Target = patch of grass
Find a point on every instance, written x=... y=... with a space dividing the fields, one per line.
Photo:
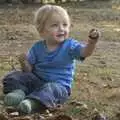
x=106 y=72
x=5 y=64
x=73 y=111
x=2 y=73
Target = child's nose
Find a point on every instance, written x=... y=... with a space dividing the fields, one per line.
x=61 y=27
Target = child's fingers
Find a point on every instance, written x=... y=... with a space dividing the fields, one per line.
x=94 y=34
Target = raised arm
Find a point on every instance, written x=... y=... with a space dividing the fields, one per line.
x=91 y=43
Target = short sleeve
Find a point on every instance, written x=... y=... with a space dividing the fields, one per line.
x=75 y=50
x=31 y=56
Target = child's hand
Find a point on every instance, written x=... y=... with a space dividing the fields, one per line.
x=25 y=66
x=94 y=34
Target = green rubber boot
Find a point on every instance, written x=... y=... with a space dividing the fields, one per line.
x=14 y=98
x=27 y=106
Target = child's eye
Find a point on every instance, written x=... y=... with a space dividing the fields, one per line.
x=54 y=25
x=65 y=24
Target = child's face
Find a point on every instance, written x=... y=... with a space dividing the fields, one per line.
x=56 y=28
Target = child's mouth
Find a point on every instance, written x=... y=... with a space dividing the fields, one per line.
x=60 y=35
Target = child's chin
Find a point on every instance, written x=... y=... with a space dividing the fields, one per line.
x=60 y=40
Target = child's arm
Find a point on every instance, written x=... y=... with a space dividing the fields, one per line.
x=25 y=66
x=92 y=40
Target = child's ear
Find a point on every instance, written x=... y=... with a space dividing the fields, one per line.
x=42 y=33
x=71 y=25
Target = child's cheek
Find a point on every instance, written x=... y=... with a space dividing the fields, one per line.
x=66 y=34
x=54 y=34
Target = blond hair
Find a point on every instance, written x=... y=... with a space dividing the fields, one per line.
x=45 y=12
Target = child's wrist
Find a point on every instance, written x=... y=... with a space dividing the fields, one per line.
x=92 y=41
x=93 y=38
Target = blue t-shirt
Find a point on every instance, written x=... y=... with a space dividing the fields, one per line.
x=58 y=65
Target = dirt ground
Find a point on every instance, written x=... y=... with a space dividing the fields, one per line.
x=96 y=88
